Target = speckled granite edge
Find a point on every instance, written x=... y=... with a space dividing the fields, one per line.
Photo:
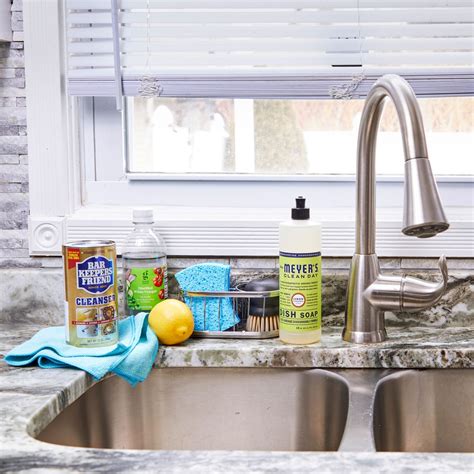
x=31 y=397
x=405 y=348
x=89 y=460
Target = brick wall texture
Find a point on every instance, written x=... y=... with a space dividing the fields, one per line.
x=13 y=146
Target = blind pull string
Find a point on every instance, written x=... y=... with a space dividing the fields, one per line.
x=149 y=85
x=346 y=91
x=116 y=46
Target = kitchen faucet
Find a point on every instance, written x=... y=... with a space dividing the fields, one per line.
x=370 y=293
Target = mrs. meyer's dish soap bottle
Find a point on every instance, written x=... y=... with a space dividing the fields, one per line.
x=144 y=265
x=300 y=277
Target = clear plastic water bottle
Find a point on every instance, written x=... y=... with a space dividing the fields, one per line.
x=145 y=273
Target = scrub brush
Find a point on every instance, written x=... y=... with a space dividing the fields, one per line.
x=263 y=312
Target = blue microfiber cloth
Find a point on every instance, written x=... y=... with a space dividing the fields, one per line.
x=208 y=277
x=131 y=358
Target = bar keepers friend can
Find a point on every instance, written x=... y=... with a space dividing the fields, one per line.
x=90 y=274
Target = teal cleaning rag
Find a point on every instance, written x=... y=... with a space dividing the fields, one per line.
x=131 y=358
x=208 y=277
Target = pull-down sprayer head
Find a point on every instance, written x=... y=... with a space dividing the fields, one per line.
x=423 y=214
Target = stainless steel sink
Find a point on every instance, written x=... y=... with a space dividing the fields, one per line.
x=275 y=410
x=429 y=410
x=209 y=409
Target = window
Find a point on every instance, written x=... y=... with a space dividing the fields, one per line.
x=240 y=94
x=283 y=137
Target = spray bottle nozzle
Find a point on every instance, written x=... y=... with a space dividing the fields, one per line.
x=300 y=202
x=300 y=212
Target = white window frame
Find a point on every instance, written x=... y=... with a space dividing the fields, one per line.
x=58 y=210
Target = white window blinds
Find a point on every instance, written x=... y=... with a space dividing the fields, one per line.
x=267 y=48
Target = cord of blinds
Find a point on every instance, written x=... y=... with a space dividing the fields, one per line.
x=267 y=48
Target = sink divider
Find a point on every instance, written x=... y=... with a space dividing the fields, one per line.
x=358 y=432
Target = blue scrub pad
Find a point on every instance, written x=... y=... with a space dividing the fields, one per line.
x=208 y=277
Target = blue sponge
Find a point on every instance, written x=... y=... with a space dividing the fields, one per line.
x=208 y=277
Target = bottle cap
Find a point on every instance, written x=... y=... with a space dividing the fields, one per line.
x=143 y=215
x=300 y=212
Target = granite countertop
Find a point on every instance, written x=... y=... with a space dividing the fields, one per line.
x=31 y=397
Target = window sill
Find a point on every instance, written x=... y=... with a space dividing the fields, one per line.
x=192 y=231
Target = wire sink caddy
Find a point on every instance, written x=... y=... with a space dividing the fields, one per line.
x=241 y=310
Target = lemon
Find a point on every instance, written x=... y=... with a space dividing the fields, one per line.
x=171 y=321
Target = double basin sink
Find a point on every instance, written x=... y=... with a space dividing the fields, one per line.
x=270 y=409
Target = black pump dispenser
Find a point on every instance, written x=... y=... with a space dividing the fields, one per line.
x=300 y=212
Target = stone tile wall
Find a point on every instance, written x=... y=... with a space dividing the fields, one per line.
x=13 y=146
x=36 y=294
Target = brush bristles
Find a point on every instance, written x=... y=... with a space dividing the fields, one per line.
x=263 y=323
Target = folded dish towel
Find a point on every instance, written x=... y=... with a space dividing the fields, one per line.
x=131 y=358
x=208 y=277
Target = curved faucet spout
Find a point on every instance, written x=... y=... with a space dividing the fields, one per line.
x=369 y=292
x=420 y=188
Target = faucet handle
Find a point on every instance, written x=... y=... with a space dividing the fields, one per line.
x=418 y=294
x=443 y=268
